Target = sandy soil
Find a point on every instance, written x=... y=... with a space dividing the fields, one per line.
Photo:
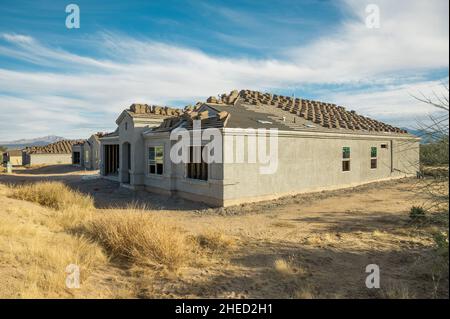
x=327 y=239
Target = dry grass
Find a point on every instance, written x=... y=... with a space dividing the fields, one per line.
x=283 y=224
x=305 y=293
x=34 y=257
x=396 y=291
x=54 y=195
x=283 y=267
x=322 y=256
x=141 y=238
x=216 y=241
x=288 y=267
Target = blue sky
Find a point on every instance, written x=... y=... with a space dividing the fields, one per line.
x=73 y=82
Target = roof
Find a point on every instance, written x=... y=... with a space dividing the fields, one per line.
x=145 y=111
x=252 y=109
x=110 y=134
x=61 y=147
x=14 y=152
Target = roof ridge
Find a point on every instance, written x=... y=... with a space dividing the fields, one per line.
x=59 y=147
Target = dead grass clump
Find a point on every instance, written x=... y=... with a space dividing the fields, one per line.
x=47 y=275
x=141 y=238
x=71 y=218
x=283 y=267
x=288 y=267
x=216 y=241
x=395 y=291
x=305 y=292
x=34 y=256
x=55 y=195
x=283 y=224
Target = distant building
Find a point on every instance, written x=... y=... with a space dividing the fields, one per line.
x=54 y=153
x=320 y=146
x=86 y=154
x=13 y=156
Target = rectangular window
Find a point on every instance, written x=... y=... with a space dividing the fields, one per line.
x=373 y=157
x=156 y=160
x=346 y=159
x=197 y=168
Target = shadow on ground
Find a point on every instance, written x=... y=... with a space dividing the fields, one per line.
x=318 y=273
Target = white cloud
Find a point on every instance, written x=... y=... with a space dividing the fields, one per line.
x=413 y=36
x=397 y=104
x=84 y=93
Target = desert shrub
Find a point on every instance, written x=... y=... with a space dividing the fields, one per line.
x=288 y=267
x=215 y=241
x=435 y=153
x=283 y=267
x=417 y=213
x=141 y=238
x=441 y=244
x=55 y=195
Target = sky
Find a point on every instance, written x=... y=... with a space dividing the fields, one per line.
x=74 y=82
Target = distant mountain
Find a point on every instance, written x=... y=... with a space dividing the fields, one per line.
x=38 y=141
x=426 y=137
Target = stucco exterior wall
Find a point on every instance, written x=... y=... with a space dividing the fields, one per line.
x=16 y=160
x=305 y=164
x=91 y=153
x=130 y=135
x=174 y=179
x=49 y=159
x=313 y=163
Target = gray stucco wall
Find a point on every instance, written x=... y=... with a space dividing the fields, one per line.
x=174 y=179
x=91 y=153
x=305 y=163
x=313 y=163
x=49 y=159
x=130 y=135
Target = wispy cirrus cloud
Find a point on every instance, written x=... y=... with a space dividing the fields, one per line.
x=72 y=94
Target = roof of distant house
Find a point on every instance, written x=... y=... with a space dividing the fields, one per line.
x=61 y=147
x=14 y=152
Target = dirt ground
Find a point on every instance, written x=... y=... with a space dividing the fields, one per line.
x=323 y=241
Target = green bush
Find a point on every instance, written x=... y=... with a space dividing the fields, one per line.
x=435 y=153
x=417 y=213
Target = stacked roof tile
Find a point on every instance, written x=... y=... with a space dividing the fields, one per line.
x=61 y=147
x=327 y=115
x=146 y=110
x=188 y=118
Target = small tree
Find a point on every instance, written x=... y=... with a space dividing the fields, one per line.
x=2 y=150
x=434 y=152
